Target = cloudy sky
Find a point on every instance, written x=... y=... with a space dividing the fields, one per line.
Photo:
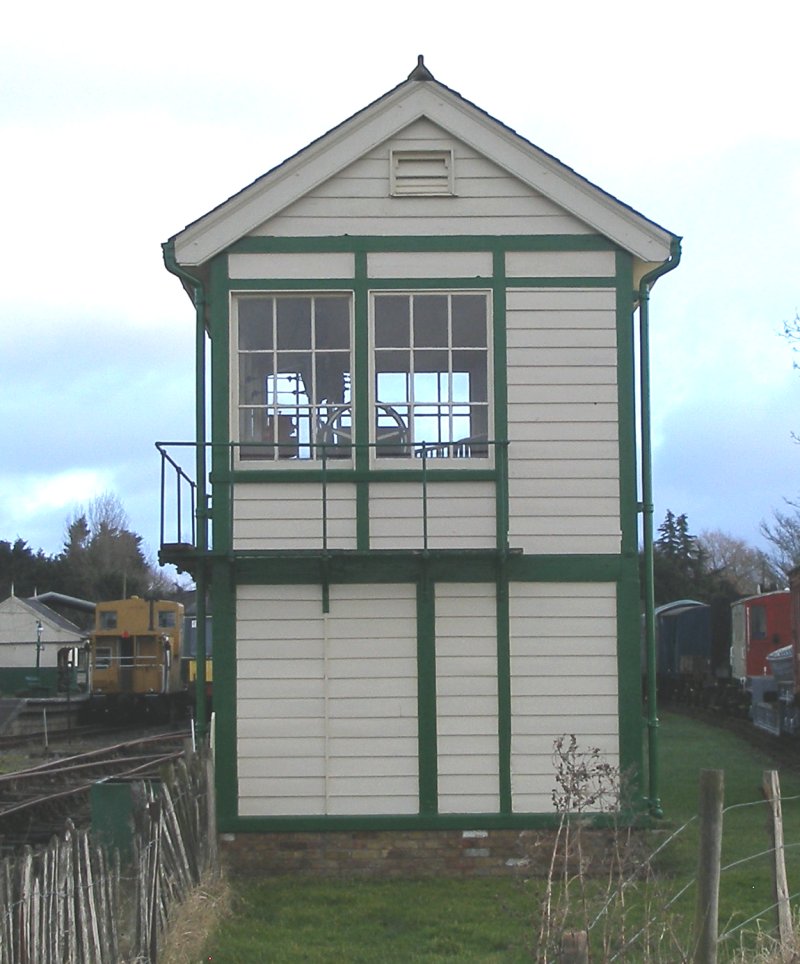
x=121 y=125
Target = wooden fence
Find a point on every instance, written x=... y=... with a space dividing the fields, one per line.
x=75 y=902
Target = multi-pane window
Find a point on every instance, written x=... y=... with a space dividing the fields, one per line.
x=294 y=368
x=431 y=389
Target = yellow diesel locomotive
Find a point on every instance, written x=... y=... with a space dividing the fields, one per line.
x=135 y=659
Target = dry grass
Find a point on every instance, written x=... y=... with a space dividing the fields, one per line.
x=767 y=949
x=193 y=921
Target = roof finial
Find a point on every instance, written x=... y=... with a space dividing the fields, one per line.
x=420 y=72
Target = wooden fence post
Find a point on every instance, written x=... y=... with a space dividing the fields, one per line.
x=780 y=884
x=708 y=867
x=574 y=948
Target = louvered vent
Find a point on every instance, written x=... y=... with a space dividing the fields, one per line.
x=422 y=173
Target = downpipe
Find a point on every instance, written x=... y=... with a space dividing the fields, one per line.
x=194 y=287
x=645 y=284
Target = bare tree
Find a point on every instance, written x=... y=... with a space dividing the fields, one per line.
x=783 y=531
x=744 y=567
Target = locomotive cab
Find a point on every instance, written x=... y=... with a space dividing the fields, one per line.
x=135 y=650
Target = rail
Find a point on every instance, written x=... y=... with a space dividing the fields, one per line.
x=421 y=464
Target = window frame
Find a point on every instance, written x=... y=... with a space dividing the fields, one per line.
x=275 y=463
x=410 y=462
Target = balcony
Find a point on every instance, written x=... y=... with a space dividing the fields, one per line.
x=350 y=499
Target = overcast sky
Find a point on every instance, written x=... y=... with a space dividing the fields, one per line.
x=122 y=125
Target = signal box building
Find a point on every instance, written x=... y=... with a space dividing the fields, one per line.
x=422 y=451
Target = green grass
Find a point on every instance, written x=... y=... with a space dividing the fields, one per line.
x=688 y=747
x=366 y=921
x=287 y=920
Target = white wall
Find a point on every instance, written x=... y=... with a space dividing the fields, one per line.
x=562 y=413
x=563 y=680
x=327 y=703
x=466 y=698
x=356 y=201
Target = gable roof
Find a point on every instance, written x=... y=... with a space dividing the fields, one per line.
x=14 y=605
x=419 y=96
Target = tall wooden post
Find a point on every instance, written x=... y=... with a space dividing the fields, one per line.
x=574 y=948
x=772 y=791
x=708 y=868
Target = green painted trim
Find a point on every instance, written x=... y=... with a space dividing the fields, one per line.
x=478 y=283
x=223 y=605
x=386 y=566
x=626 y=403
x=426 y=696
x=571 y=282
x=405 y=284
x=500 y=389
x=628 y=587
x=364 y=243
x=361 y=389
x=289 y=284
x=566 y=568
x=219 y=330
x=314 y=474
x=504 y=689
x=469 y=821
x=629 y=676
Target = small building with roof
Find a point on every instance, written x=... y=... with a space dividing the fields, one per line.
x=31 y=637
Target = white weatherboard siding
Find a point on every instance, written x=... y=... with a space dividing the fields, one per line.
x=327 y=703
x=288 y=515
x=563 y=680
x=357 y=199
x=466 y=698
x=282 y=265
x=562 y=420
x=461 y=515
x=420 y=264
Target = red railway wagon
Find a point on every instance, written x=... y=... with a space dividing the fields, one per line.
x=759 y=625
x=794 y=594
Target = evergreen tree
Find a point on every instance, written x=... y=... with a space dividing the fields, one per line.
x=24 y=571
x=678 y=561
x=102 y=558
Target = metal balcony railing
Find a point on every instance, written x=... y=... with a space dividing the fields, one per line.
x=179 y=499
x=420 y=464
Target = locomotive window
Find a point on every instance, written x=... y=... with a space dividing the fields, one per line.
x=107 y=619
x=166 y=619
x=758 y=622
x=102 y=657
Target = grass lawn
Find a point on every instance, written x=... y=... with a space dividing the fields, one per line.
x=287 y=920
x=688 y=747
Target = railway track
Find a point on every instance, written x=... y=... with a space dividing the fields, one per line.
x=77 y=735
x=35 y=802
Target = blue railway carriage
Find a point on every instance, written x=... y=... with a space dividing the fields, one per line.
x=683 y=634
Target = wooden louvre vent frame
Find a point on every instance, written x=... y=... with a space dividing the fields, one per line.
x=421 y=173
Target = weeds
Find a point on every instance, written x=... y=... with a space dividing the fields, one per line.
x=600 y=881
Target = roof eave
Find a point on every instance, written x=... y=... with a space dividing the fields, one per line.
x=384 y=118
